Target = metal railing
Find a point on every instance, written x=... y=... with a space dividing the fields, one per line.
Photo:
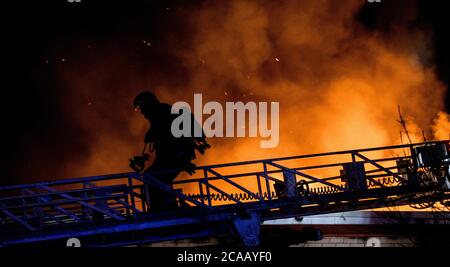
x=121 y=197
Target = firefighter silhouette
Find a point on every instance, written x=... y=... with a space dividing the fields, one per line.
x=172 y=155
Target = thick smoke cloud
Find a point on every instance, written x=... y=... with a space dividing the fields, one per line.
x=338 y=81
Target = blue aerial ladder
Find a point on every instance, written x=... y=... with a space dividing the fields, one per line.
x=232 y=199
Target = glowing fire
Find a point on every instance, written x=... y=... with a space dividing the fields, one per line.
x=338 y=83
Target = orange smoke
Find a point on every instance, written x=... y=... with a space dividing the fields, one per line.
x=441 y=126
x=338 y=83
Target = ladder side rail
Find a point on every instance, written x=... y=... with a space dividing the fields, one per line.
x=147 y=178
x=54 y=192
x=124 y=202
x=367 y=160
x=55 y=208
x=18 y=220
x=308 y=176
x=235 y=184
x=266 y=178
x=229 y=196
x=84 y=203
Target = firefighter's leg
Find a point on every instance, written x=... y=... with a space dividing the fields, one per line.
x=156 y=197
x=169 y=200
x=161 y=200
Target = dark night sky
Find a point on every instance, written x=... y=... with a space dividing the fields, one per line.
x=40 y=30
